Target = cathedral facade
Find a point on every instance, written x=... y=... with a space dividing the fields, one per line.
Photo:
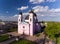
x=30 y=24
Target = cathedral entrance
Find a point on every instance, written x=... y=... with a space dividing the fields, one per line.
x=23 y=32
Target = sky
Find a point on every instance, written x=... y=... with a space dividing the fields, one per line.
x=46 y=10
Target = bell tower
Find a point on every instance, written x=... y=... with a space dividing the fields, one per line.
x=19 y=21
x=20 y=17
x=31 y=17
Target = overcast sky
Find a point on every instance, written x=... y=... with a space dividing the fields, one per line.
x=47 y=10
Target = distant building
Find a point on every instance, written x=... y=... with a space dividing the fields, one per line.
x=2 y=23
x=30 y=25
x=5 y=26
x=0 y=20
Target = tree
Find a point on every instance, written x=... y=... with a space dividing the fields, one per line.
x=52 y=30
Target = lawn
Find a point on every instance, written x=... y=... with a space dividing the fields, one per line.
x=3 y=38
x=12 y=30
x=58 y=42
x=53 y=30
x=22 y=41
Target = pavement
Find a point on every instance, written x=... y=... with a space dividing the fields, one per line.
x=8 y=41
x=39 y=40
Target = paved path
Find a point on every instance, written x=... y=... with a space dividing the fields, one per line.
x=38 y=40
x=12 y=39
x=8 y=41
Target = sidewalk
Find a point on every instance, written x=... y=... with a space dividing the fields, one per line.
x=8 y=41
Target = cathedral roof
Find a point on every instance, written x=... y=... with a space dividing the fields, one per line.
x=24 y=23
x=27 y=17
x=32 y=11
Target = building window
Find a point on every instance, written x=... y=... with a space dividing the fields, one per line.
x=30 y=19
x=19 y=19
x=23 y=26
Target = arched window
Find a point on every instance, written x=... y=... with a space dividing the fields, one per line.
x=19 y=19
x=30 y=19
x=23 y=26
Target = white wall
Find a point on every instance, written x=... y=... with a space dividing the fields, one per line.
x=25 y=29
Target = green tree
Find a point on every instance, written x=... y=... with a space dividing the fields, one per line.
x=52 y=29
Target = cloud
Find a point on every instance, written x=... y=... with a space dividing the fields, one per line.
x=52 y=15
x=50 y=0
x=45 y=11
x=55 y=10
x=41 y=11
x=15 y=15
x=4 y=18
x=36 y=1
x=40 y=8
x=12 y=18
x=9 y=18
x=23 y=8
x=40 y=1
x=26 y=13
x=42 y=15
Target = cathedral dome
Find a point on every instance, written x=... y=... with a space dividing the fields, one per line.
x=20 y=13
x=32 y=11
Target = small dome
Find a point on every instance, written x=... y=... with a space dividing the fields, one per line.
x=34 y=14
x=20 y=13
x=32 y=11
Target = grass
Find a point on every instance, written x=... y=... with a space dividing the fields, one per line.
x=52 y=29
x=22 y=41
x=3 y=38
x=58 y=42
x=12 y=30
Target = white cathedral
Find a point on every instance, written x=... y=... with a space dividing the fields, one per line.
x=30 y=25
